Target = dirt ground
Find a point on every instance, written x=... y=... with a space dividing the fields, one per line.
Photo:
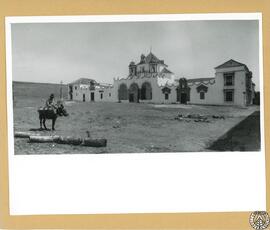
x=245 y=135
x=128 y=127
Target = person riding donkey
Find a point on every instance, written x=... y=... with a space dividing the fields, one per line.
x=50 y=103
x=51 y=111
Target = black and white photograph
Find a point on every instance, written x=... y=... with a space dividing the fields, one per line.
x=135 y=113
x=136 y=87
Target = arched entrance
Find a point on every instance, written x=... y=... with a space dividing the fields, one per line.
x=123 y=92
x=146 y=91
x=134 y=93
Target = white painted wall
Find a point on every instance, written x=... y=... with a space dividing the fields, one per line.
x=157 y=95
x=239 y=84
x=213 y=96
x=79 y=90
x=108 y=93
x=215 y=93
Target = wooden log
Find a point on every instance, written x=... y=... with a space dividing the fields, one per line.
x=94 y=142
x=65 y=140
x=69 y=140
x=43 y=139
x=22 y=134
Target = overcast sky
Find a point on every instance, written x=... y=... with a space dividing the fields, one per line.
x=51 y=52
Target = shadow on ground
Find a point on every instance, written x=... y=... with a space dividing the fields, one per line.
x=245 y=136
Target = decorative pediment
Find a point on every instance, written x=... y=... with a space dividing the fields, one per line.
x=202 y=88
x=166 y=90
x=230 y=63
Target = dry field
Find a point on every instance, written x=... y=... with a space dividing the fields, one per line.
x=128 y=127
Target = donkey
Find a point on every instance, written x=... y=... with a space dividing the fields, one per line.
x=51 y=114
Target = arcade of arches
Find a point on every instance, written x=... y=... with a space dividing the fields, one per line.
x=134 y=93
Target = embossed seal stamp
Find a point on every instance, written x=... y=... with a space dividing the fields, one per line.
x=259 y=220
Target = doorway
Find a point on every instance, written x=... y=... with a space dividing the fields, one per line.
x=83 y=97
x=131 y=97
x=183 y=99
x=92 y=96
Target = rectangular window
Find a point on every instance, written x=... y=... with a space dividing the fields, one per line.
x=202 y=95
x=166 y=96
x=228 y=79
x=109 y=94
x=228 y=96
x=101 y=95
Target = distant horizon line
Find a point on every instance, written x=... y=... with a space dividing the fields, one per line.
x=38 y=82
x=33 y=82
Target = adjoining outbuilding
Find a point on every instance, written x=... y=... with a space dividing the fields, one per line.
x=85 y=89
x=232 y=85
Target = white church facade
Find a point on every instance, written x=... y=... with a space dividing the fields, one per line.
x=151 y=81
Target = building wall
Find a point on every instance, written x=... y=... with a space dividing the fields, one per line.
x=160 y=67
x=146 y=67
x=142 y=66
x=157 y=95
x=215 y=93
x=166 y=79
x=78 y=91
x=213 y=96
x=102 y=95
x=239 y=85
x=108 y=94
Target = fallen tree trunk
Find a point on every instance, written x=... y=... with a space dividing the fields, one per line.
x=94 y=142
x=22 y=134
x=69 y=140
x=43 y=139
x=36 y=138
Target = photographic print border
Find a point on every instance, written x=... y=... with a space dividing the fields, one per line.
x=194 y=220
x=174 y=165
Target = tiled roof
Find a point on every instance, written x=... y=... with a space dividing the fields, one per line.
x=151 y=58
x=231 y=63
x=83 y=81
x=165 y=70
x=200 y=79
x=104 y=85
